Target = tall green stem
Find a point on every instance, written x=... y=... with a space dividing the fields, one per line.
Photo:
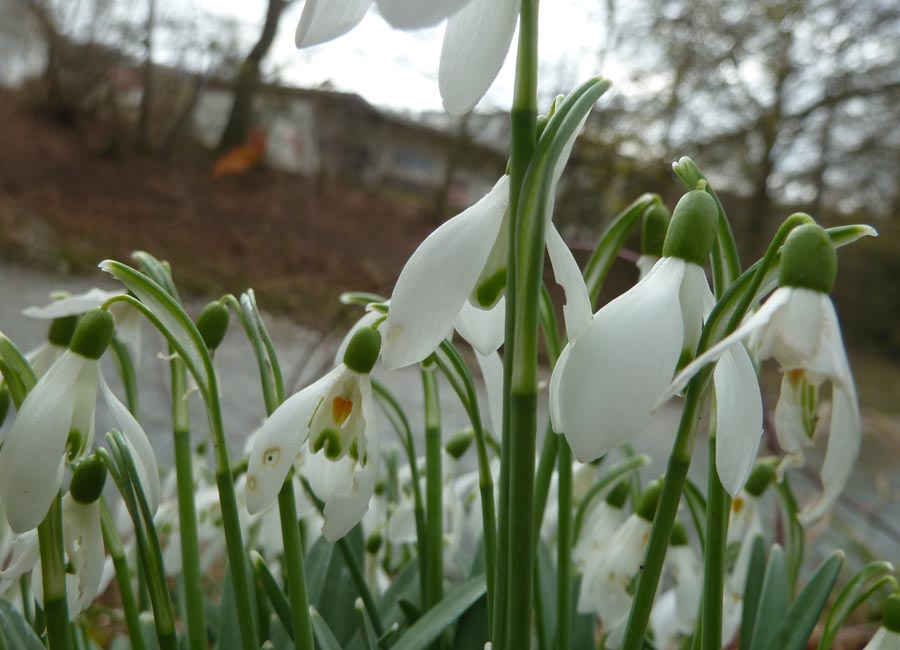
x=512 y=610
x=195 y=614
x=564 y=544
x=53 y=578
x=433 y=490
x=717 y=511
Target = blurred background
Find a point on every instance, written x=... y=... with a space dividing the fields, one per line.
x=194 y=130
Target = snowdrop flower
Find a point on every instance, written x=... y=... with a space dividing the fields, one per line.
x=619 y=361
x=476 y=39
x=798 y=327
x=675 y=611
x=336 y=415
x=599 y=526
x=462 y=262
x=55 y=423
x=888 y=635
x=64 y=306
x=610 y=573
x=82 y=540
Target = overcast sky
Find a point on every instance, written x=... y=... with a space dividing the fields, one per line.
x=399 y=69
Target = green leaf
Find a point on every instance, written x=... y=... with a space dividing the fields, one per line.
x=854 y=593
x=795 y=540
x=317 y=563
x=583 y=627
x=752 y=590
x=612 y=240
x=369 y=636
x=274 y=593
x=17 y=633
x=158 y=271
x=325 y=638
x=404 y=587
x=773 y=602
x=435 y=621
x=546 y=575
x=696 y=503
x=800 y=620
x=17 y=372
x=170 y=318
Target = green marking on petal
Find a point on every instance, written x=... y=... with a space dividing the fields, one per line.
x=488 y=292
x=74 y=443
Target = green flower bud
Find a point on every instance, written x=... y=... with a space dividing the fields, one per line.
x=679 y=535
x=88 y=480
x=459 y=444
x=363 y=350
x=618 y=495
x=890 y=617
x=93 y=334
x=808 y=259
x=760 y=478
x=646 y=505
x=653 y=229
x=373 y=544
x=61 y=330
x=213 y=323
x=692 y=231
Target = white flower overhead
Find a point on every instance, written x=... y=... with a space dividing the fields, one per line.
x=476 y=39
x=798 y=327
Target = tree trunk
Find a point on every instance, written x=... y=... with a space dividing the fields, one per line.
x=144 y=116
x=247 y=81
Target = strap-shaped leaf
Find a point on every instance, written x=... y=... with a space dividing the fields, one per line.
x=696 y=503
x=324 y=636
x=274 y=593
x=800 y=620
x=855 y=592
x=795 y=541
x=171 y=319
x=752 y=590
x=435 y=621
x=612 y=240
x=773 y=601
x=17 y=633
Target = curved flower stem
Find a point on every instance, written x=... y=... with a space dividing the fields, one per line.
x=123 y=576
x=512 y=613
x=195 y=614
x=126 y=370
x=273 y=394
x=718 y=506
x=53 y=578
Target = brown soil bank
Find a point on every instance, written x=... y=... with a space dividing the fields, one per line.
x=297 y=241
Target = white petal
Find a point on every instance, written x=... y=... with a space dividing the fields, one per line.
x=42 y=358
x=577 y=310
x=559 y=371
x=739 y=417
x=416 y=14
x=25 y=554
x=793 y=335
x=483 y=329
x=884 y=639
x=688 y=585
x=72 y=305
x=32 y=454
x=401 y=528
x=437 y=280
x=324 y=20
x=753 y=324
x=84 y=548
x=139 y=445
x=843 y=449
x=129 y=326
x=279 y=440
x=696 y=303
x=789 y=426
x=475 y=46
x=644 y=264
x=612 y=375
x=492 y=372
x=664 y=621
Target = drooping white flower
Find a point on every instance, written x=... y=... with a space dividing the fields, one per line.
x=336 y=415
x=438 y=280
x=605 y=383
x=798 y=327
x=476 y=39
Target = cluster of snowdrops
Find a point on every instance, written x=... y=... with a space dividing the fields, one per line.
x=344 y=522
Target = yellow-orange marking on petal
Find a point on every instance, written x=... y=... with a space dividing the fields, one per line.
x=340 y=409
